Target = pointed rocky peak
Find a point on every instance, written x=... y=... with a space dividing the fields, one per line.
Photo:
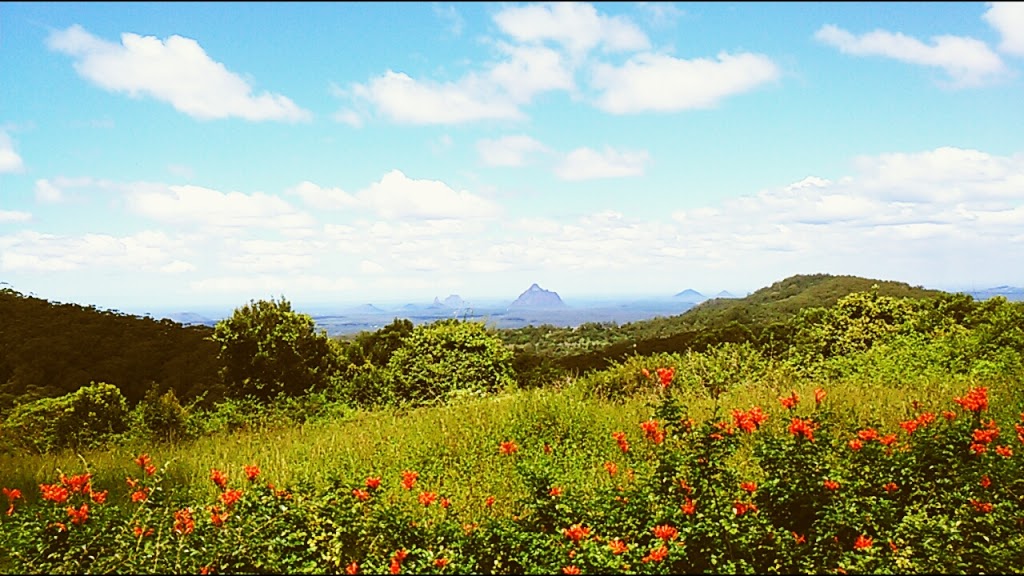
x=537 y=297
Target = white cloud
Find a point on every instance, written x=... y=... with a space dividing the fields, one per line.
x=449 y=15
x=398 y=196
x=1008 y=19
x=14 y=216
x=10 y=161
x=204 y=206
x=660 y=14
x=270 y=285
x=176 y=70
x=589 y=164
x=662 y=83
x=323 y=198
x=350 y=117
x=530 y=70
x=32 y=251
x=177 y=267
x=405 y=100
x=508 y=150
x=48 y=192
x=967 y=61
x=576 y=26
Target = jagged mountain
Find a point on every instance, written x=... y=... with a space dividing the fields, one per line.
x=455 y=301
x=537 y=297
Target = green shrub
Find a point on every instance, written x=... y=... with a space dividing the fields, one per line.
x=162 y=415
x=83 y=419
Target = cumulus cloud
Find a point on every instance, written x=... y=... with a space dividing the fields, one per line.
x=32 y=251
x=663 y=83
x=967 y=61
x=405 y=100
x=589 y=164
x=176 y=70
x=207 y=207
x=576 y=26
x=508 y=150
x=10 y=161
x=1008 y=19
x=14 y=216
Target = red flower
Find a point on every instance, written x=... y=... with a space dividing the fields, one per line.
x=620 y=437
x=855 y=444
x=251 y=472
x=925 y=419
x=868 y=434
x=819 y=396
x=750 y=420
x=689 y=507
x=208 y=569
x=617 y=546
x=748 y=486
x=141 y=532
x=445 y=503
x=78 y=483
x=741 y=508
x=150 y=470
x=409 y=479
x=361 y=495
x=99 y=497
x=790 y=402
x=230 y=497
x=948 y=414
x=427 y=498
x=803 y=428
x=979 y=448
x=140 y=495
x=217 y=516
x=893 y=547
x=890 y=487
x=983 y=507
x=685 y=486
x=352 y=568
x=909 y=426
x=887 y=440
x=985 y=481
x=219 y=478
x=656 y=555
x=441 y=562
x=132 y=482
x=975 y=400
x=665 y=532
x=373 y=482
x=611 y=468
x=489 y=502
x=665 y=375
x=863 y=543
x=397 y=559
x=555 y=491
x=831 y=484
x=1004 y=451
x=576 y=532
x=143 y=460
x=12 y=494
x=508 y=447
x=183 y=523
x=800 y=538
x=570 y=570
x=78 y=517
x=652 y=431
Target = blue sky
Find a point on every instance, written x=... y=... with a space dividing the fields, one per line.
x=174 y=155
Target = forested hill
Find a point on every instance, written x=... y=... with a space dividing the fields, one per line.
x=50 y=349
x=763 y=317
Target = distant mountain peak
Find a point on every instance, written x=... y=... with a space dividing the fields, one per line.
x=537 y=297
x=690 y=295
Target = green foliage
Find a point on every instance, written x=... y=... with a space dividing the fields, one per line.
x=266 y=348
x=162 y=415
x=83 y=419
x=447 y=358
x=375 y=348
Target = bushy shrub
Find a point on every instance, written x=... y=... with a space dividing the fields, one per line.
x=162 y=415
x=83 y=419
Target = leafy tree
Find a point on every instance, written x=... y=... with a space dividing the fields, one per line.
x=447 y=357
x=83 y=419
x=266 y=349
x=375 y=348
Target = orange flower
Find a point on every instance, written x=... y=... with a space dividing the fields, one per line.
x=409 y=479
x=1004 y=451
x=489 y=502
x=427 y=498
x=230 y=497
x=78 y=517
x=150 y=470
x=555 y=491
x=868 y=434
x=685 y=486
x=750 y=420
x=373 y=482
x=620 y=437
x=183 y=523
x=741 y=508
x=665 y=532
x=611 y=468
x=576 y=532
x=831 y=484
x=352 y=568
x=909 y=426
x=547 y=448
x=890 y=487
x=665 y=375
x=396 y=561
x=646 y=373
x=803 y=428
x=217 y=516
x=983 y=507
x=208 y=569
x=132 y=482
x=219 y=478
x=99 y=497
x=790 y=402
x=445 y=503
x=140 y=495
x=975 y=400
x=948 y=414
x=855 y=444
x=652 y=431
x=985 y=481
x=656 y=555
x=441 y=562
x=749 y=486
x=819 y=396
x=979 y=448
x=689 y=507
x=863 y=542
x=78 y=483
x=887 y=440
x=143 y=460
x=251 y=472
x=361 y=495
x=11 y=494
x=925 y=419
x=141 y=532
x=570 y=570
x=893 y=547
x=617 y=546
x=800 y=538
x=508 y=447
